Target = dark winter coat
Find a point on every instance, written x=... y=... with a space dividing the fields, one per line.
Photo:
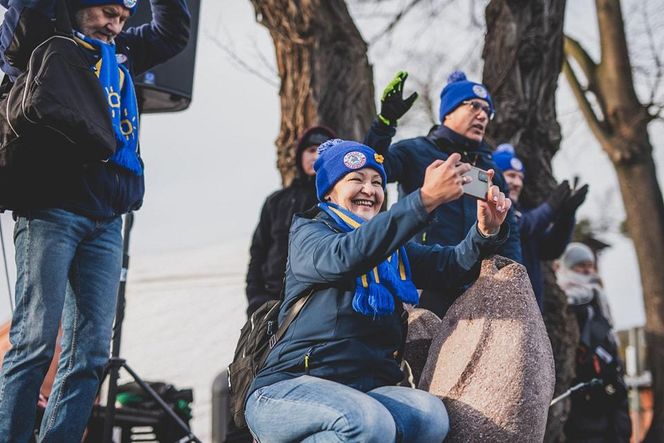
x=406 y=162
x=100 y=190
x=599 y=414
x=338 y=343
x=269 y=246
x=544 y=236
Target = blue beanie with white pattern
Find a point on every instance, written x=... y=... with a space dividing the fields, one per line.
x=506 y=159
x=337 y=157
x=460 y=89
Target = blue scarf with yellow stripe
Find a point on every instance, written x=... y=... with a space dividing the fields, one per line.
x=118 y=86
x=375 y=291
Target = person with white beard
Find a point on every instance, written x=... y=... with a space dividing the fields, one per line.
x=598 y=414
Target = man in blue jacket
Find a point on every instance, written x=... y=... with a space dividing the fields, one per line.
x=545 y=230
x=69 y=245
x=466 y=109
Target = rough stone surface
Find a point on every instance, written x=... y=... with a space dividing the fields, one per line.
x=491 y=360
x=422 y=326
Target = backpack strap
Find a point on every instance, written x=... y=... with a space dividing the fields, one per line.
x=290 y=316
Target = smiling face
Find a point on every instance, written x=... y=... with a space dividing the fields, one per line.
x=468 y=121
x=103 y=22
x=361 y=192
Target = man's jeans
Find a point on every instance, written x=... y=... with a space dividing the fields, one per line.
x=311 y=409
x=68 y=269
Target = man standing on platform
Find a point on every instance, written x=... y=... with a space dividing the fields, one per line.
x=69 y=245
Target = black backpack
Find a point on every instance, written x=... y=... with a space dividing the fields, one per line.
x=53 y=117
x=257 y=337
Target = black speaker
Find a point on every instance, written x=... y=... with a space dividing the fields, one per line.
x=167 y=87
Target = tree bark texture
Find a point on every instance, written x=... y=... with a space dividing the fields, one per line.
x=325 y=74
x=620 y=123
x=523 y=53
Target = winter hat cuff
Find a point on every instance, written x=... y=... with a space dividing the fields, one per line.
x=336 y=158
x=129 y=4
x=506 y=159
x=576 y=253
x=460 y=89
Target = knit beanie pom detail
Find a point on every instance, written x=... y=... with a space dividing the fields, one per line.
x=328 y=144
x=456 y=76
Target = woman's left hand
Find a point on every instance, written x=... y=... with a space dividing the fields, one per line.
x=492 y=212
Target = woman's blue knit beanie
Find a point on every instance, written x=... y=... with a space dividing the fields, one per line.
x=337 y=157
x=506 y=159
x=460 y=89
x=129 y=4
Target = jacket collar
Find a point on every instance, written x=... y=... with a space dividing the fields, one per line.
x=457 y=142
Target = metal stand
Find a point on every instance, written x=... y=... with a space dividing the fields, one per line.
x=115 y=362
x=581 y=386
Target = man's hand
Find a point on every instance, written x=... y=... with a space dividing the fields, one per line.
x=392 y=104
x=575 y=200
x=559 y=196
x=443 y=182
x=492 y=212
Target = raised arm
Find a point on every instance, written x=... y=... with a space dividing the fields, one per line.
x=319 y=254
x=441 y=267
x=26 y=24
x=164 y=37
x=393 y=106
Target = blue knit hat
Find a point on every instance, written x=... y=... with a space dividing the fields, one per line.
x=506 y=159
x=460 y=89
x=337 y=157
x=129 y=4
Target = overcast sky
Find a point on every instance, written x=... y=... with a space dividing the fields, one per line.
x=209 y=168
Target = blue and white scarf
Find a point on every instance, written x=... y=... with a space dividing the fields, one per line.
x=375 y=291
x=118 y=86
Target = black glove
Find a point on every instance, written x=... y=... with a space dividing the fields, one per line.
x=577 y=198
x=559 y=196
x=392 y=104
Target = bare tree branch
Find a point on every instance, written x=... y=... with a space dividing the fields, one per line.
x=574 y=49
x=656 y=55
x=395 y=20
x=235 y=58
x=596 y=126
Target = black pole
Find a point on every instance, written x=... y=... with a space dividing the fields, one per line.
x=115 y=362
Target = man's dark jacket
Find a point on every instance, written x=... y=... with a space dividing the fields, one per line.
x=269 y=246
x=544 y=236
x=406 y=162
x=101 y=190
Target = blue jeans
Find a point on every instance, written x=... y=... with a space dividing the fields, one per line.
x=68 y=270
x=311 y=409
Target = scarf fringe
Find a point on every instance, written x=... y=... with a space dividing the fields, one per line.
x=375 y=291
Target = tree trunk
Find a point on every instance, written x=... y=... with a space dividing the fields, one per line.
x=325 y=74
x=622 y=130
x=523 y=53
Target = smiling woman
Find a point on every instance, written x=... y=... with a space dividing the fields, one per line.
x=361 y=192
x=333 y=376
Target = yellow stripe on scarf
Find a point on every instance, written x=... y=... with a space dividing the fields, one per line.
x=402 y=267
x=87 y=45
x=349 y=221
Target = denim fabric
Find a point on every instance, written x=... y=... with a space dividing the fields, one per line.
x=68 y=269
x=311 y=409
